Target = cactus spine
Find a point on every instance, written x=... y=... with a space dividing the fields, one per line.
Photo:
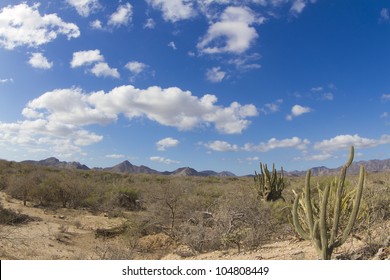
x=312 y=220
x=269 y=184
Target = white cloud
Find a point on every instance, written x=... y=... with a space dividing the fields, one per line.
x=215 y=75
x=163 y=160
x=298 y=110
x=82 y=58
x=232 y=119
x=246 y=62
x=221 y=146
x=385 y=14
x=273 y=143
x=102 y=69
x=38 y=60
x=166 y=143
x=174 y=10
x=84 y=7
x=55 y=121
x=96 y=24
x=316 y=157
x=385 y=115
x=270 y=108
x=317 y=89
x=150 y=24
x=115 y=156
x=95 y=58
x=341 y=142
x=122 y=16
x=327 y=96
x=43 y=134
x=169 y=107
x=232 y=34
x=136 y=67
x=8 y=80
x=298 y=6
x=253 y=158
x=172 y=45
x=385 y=97
x=23 y=25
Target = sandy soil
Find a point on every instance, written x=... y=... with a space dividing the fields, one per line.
x=70 y=234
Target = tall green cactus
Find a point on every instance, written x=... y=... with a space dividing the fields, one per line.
x=315 y=221
x=269 y=184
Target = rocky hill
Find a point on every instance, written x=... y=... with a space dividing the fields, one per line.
x=127 y=167
x=370 y=166
x=54 y=162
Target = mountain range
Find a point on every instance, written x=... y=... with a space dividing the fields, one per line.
x=128 y=168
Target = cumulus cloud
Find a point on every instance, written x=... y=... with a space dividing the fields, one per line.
x=298 y=110
x=136 y=67
x=102 y=69
x=23 y=25
x=342 y=142
x=166 y=143
x=84 y=7
x=57 y=120
x=273 y=143
x=163 y=160
x=38 y=60
x=93 y=57
x=221 y=146
x=170 y=107
x=122 y=16
x=96 y=24
x=62 y=139
x=82 y=58
x=215 y=75
x=233 y=32
x=174 y=10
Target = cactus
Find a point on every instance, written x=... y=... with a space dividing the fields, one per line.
x=270 y=185
x=316 y=221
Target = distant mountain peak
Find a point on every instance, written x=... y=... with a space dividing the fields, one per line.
x=56 y=163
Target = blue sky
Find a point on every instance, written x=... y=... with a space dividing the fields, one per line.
x=219 y=85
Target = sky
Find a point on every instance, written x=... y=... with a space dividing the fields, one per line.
x=210 y=84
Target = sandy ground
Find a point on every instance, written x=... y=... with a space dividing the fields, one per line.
x=70 y=234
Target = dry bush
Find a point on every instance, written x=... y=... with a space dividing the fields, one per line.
x=10 y=217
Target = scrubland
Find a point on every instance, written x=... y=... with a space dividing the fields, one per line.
x=70 y=214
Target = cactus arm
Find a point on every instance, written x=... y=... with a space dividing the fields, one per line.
x=356 y=205
x=316 y=238
x=351 y=155
x=308 y=206
x=340 y=189
x=298 y=227
x=323 y=228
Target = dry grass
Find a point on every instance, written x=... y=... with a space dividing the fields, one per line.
x=168 y=217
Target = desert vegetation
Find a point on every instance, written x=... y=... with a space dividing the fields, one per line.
x=104 y=215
